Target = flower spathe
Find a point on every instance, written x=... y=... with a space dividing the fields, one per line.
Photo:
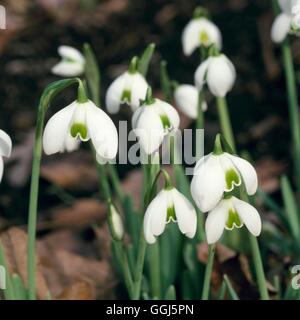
x=228 y=214
x=215 y=174
x=116 y=223
x=169 y=205
x=81 y=122
x=186 y=97
x=152 y=121
x=72 y=63
x=218 y=73
x=200 y=32
x=130 y=88
x=5 y=149
x=288 y=21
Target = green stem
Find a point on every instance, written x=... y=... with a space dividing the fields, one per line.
x=230 y=288
x=46 y=98
x=260 y=274
x=225 y=122
x=116 y=183
x=200 y=117
x=155 y=270
x=208 y=272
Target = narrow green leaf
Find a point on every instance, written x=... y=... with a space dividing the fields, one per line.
x=222 y=291
x=144 y=61
x=165 y=81
x=231 y=291
x=92 y=73
x=19 y=287
x=9 y=291
x=171 y=293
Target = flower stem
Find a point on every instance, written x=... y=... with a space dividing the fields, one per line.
x=208 y=272
x=225 y=121
x=200 y=117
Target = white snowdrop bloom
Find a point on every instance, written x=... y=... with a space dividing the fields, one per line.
x=288 y=21
x=186 y=97
x=5 y=149
x=200 y=32
x=215 y=174
x=152 y=121
x=116 y=223
x=129 y=88
x=169 y=205
x=81 y=121
x=72 y=63
x=229 y=213
x=219 y=74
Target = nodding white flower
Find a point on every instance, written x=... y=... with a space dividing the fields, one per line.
x=169 y=205
x=72 y=63
x=215 y=174
x=219 y=74
x=80 y=121
x=130 y=87
x=229 y=213
x=200 y=32
x=5 y=149
x=116 y=223
x=187 y=97
x=288 y=21
x=152 y=121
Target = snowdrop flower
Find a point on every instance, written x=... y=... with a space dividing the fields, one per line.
x=152 y=121
x=186 y=97
x=80 y=121
x=72 y=63
x=218 y=73
x=200 y=32
x=130 y=88
x=169 y=205
x=5 y=149
x=229 y=213
x=115 y=223
x=220 y=172
x=288 y=21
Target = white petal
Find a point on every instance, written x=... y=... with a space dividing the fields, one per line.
x=71 y=53
x=102 y=131
x=215 y=222
x=208 y=183
x=170 y=112
x=280 y=27
x=70 y=143
x=213 y=32
x=185 y=214
x=220 y=75
x=200 y=74
x=286 y=6
x=186 y=97
x=56 y=130
x=1 y=168
x=247 y=172
x=148 y=128
x=5 y=144
x=156 y=216
x=139 y=88
x=114 y=94
x=248 y=215
x=68 y=69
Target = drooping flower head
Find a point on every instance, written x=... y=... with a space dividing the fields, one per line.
x=115 y=222
x=72 y=63
x=218 y=72
x=187 y=97
x=130 y=87
x=169 y=205
x=5 y=149
x=152 y=121
x=200 y=31
x=220 y=172
x=80 y=121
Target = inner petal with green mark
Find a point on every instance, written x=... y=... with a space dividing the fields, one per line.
x=171 y=216
x=233 y=220
x=232 y=179
x=79 y=130
x=204 y=38
x=165 y=121
x=126 y=96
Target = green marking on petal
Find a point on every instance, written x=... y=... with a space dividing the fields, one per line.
x=79 y=129
x=126 y=96
x=69 y=60
x=165 y=121
x=232 y=178
x=171 y=214
x=233 y=220
x=204 y=38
